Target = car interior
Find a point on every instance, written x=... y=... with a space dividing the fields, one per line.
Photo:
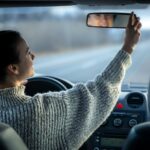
x=70 y=48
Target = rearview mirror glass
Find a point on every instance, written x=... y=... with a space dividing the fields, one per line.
x=108 y=20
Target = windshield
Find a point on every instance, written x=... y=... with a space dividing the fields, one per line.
x=65 y=47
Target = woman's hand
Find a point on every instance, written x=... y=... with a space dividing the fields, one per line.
x=132 y=33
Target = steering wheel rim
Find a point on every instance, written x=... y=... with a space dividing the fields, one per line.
x=42 y=85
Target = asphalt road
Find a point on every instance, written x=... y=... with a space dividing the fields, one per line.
x=83 y=65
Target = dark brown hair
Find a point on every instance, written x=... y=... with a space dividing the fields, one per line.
x=9 y=40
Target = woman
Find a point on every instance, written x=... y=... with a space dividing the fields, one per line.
x=58 y=120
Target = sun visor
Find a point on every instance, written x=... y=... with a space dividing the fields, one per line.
x=105 y=2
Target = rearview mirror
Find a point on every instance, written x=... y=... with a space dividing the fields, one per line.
x=108 y=20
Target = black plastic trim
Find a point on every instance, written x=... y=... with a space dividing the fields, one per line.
x=32 y=3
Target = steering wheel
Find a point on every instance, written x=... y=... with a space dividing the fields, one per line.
x=43 y=85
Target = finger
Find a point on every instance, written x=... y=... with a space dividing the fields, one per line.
x=130 y=22
x=137 y=22
x=138 y=33
x=139 y=27
x=134 y=19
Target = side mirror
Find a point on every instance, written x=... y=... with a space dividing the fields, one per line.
x=108 y=20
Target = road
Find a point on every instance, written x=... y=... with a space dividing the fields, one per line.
x=83 y=65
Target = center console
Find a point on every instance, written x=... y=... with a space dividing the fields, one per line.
x=131 y=109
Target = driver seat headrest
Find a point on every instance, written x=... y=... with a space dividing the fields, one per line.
x=9 y=139
x=139 y=137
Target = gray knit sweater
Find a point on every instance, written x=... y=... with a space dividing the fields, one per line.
x=64 y=120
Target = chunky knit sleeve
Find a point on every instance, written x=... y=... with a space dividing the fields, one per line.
x=64 y=120
x=88 y=105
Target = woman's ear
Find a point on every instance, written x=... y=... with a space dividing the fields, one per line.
x=13 y=69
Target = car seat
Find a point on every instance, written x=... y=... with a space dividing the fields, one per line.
x=9 y=139
x=139 y=137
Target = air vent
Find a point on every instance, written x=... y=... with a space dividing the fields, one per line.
x=135 y=100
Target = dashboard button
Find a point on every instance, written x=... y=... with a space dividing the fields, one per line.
x=117 y=122
x=132 y=122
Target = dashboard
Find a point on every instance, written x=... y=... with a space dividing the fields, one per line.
x=131 y=109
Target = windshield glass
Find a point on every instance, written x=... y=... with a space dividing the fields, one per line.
x=65 y=47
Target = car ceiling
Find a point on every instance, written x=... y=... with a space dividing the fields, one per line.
x=12 y=3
